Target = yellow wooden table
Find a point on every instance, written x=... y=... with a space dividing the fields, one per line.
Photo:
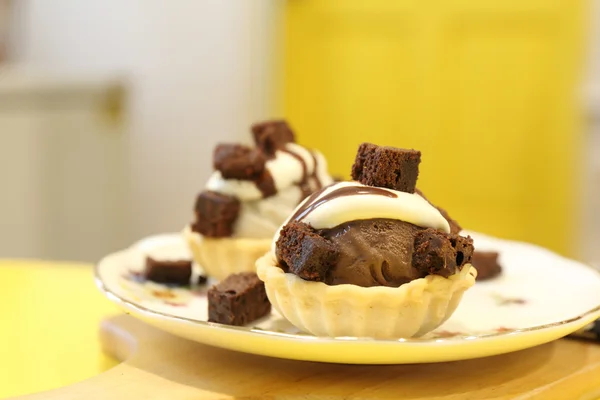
x=49 y=326
x=52 y=315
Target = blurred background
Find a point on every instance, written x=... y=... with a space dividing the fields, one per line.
x=109 y=110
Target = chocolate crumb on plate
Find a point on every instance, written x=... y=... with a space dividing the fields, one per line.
x=236 y=161
x=177 y=272
x=387 y=167
x=438 y=253
x=238 y=300
x=215 y=214
x=202 y=279
x=487 y=265
x=271 y=136
x=302 y=251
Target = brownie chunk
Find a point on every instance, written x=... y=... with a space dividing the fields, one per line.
x=387 y=167
x=215 y=214
x=303 y=252
x=464 y=249
x=238 y=300
x=176 y=272
x=270 y=136
x=454 y=226
x=361 y=157
x=266 y=184
x=487 y=265
x=236 y=161
x=439 y=253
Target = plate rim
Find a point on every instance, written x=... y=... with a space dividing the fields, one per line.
x=130 y=304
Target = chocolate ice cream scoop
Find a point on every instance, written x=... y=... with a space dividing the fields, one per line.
x=373 y=252
x=387 y=252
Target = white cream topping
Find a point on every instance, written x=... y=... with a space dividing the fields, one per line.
x=285 y=169
x=405 y=207
x=322 y=174
x=261 y=218
x=304 y=154
x=243 y=190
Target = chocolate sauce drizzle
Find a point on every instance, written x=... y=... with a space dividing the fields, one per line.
x=265 y=183
x=304 y=183
x=300 y=160
x=312 y=203
x=314 y=175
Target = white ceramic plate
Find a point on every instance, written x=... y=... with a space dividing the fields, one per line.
x=539 y=297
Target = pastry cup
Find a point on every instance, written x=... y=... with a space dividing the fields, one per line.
x=221 y=257
x=411 y=310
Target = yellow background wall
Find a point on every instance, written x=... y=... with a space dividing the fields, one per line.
x=485 y=89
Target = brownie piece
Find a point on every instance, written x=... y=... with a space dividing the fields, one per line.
x=176 y=272
x=270 y=136
x=454 y=226
x=361 y=157
x=236 y=161
x=302 y=251
x=215 y=214
x=464 y=249
x=438 y=253
x=266 y=184
x=238 y=300
x=487 y=265
x=387 y=167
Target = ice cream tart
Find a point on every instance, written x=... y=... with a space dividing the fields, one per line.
x=250 y=193
x=369 y=258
